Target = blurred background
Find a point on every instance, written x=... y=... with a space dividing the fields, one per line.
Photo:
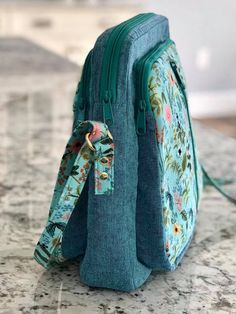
x=43 y=45
x=204 y=32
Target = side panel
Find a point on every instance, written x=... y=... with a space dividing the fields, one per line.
x=111 y=258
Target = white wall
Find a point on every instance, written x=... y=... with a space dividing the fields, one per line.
x=204 y=31
x=205 y=34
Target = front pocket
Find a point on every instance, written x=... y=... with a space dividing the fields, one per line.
x=176 y=159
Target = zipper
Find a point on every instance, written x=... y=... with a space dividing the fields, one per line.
x=81 y=99
x=143 y=68
x=110 y=63
x=178 y=78
x=182 y=88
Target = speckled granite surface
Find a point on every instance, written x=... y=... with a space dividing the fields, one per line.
x=34 y=128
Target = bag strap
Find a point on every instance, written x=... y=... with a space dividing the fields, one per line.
x=216 y=183
x=91 y=143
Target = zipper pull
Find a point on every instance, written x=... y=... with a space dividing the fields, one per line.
x=107 y=110
x=76 y=97
x=78 y=107
x=141 y=118
x=78 y=103
x=177 y=75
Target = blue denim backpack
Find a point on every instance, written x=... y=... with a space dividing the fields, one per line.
x=128 y=189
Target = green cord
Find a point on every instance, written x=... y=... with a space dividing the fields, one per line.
x=216 y=183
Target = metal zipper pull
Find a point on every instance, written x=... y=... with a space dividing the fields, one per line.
x=141 y=117
x=177 y=75
x=107 y=110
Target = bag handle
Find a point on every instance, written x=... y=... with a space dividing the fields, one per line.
x=90 y=143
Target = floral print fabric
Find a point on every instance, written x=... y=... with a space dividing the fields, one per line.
x=74 y=169
x=176 y=155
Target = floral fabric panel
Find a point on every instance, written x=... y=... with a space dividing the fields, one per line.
x=179 y=184
x=74 y=169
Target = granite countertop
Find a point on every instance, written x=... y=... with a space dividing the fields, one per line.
x=34 y=128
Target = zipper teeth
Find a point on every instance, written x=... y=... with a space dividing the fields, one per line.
x=118 y=38
x=145 y=66
x=86 y=76
x=143 y=101
x=105 y=62
x=122 y=30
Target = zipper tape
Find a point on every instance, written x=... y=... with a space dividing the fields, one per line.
x=110 y=63
x=143 y=68
x=81 y=99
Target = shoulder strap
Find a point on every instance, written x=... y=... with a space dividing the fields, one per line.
x=90 y=143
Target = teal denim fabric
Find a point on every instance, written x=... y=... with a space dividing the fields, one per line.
x=110 y=258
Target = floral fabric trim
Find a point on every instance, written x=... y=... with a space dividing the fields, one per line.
x=74 y=169
x=177 y=159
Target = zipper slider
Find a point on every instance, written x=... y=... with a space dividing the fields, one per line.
x=141 y=118
x=177 y=75
x=79 y=106
x=77 y=95
x=107 y=110
x=78 y=103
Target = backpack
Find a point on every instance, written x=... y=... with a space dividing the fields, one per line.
x=128 y=189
